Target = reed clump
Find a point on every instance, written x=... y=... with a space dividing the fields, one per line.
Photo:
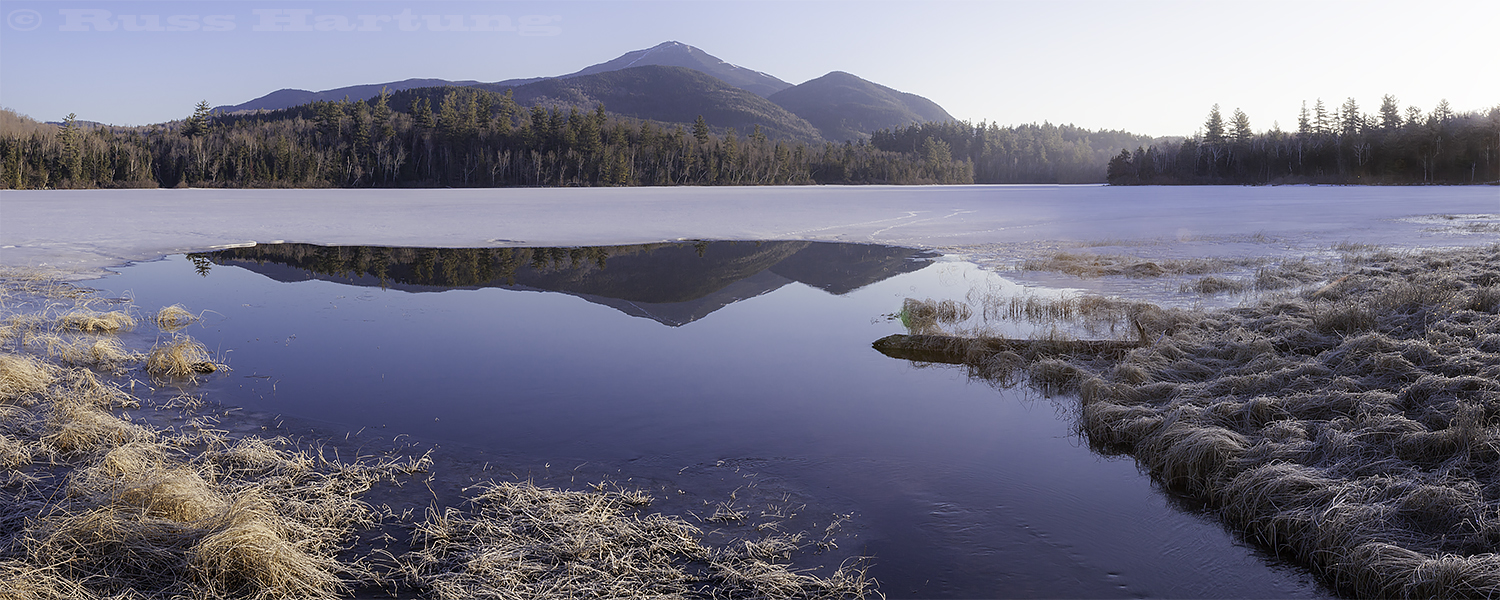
x=1354 y=427
x=929 y=316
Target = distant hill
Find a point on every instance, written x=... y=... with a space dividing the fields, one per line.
x=288 y=98
x=845 y=107
x=668 y=94
x=678 y=54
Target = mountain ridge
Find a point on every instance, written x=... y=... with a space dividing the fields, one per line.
x=656 y=84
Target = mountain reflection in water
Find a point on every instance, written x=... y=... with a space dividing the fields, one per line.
x=672 y=284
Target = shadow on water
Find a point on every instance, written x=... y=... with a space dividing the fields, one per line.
x=762 y=389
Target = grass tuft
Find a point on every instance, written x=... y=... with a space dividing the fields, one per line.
x=181 y=358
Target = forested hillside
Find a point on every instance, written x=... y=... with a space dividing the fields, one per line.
x=465 y=137
x=1346 y=145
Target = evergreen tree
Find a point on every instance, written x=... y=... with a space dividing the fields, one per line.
x=72 y=150
x=1390 y=113
x=1414 y=117
x=1120 y=170
x=1442 y=114
x=1242 y=131
x=1213 y=129
x=421 y=113
x=1304 y=126
x=1350 y=121
x=381 y=116
x=1321 y=123
x=197 y=124
x=700 y=130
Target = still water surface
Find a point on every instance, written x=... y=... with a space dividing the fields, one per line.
x=652 y=360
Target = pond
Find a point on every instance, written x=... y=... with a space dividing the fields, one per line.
x=675 y=365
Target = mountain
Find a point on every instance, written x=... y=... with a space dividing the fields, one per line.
x=668 y=94
x=673 y=82
x=678 y=54
x=845 y=107
x=670 y=54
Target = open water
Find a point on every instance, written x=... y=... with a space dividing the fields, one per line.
x=660 y=363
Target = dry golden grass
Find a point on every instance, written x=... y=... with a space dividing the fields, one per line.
x=522 y=541
x=88 y=321
x=23 y=375
x=99 y=352
x=77 y=428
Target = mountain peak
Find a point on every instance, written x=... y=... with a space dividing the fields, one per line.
x=673 y=53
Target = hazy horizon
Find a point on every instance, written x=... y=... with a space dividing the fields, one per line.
x=1150 y=67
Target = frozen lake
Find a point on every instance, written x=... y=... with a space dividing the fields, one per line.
x=92 y=229
x=700 y=358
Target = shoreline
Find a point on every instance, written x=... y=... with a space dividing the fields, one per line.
x=96 y=463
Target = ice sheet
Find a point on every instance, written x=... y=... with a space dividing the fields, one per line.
x=86 y=230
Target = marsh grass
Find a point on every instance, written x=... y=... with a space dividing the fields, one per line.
x=517 y=540
x=1088 y=264
x=1353 y=426
x=929 y=316
x=1280 y=276
x=88 y=321
x=95 y=505
x=1051 y=318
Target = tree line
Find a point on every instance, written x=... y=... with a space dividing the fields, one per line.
x=465 y=137
x=1029 y=153
x=1344 y=146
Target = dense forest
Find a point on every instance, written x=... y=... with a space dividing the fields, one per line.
x=1344 y=146
x=464 y=137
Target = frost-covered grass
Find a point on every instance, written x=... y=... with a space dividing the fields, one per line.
x=1354 y=427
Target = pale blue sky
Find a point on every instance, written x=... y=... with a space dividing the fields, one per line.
x=1147 y=66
